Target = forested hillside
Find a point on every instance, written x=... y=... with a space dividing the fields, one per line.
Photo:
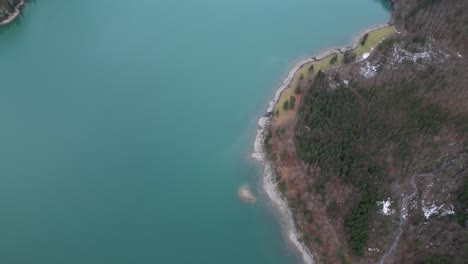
x=381 y=142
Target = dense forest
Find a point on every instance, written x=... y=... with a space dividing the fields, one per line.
x=375 y=131
x=345 y=131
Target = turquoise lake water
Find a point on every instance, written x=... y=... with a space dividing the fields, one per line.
x=127 y=126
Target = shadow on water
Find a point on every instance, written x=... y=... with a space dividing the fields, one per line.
x=386 y=4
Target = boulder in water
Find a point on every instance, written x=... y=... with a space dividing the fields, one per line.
x=246 y=195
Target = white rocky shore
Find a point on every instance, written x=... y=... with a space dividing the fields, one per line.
x=14 y=15
x=269 y=183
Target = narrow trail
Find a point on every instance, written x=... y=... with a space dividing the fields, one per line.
x=403 y=215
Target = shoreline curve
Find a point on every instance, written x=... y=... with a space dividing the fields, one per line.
x=269 y=182
x=12 y=17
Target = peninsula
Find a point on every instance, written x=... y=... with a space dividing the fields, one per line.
x=367 y=144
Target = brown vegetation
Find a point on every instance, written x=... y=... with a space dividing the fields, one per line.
x=360 y=141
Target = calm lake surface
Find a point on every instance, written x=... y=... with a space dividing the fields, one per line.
x=127 y=126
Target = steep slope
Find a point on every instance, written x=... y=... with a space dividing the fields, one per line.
x=375 y=163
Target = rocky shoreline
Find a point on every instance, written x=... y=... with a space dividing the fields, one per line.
x=269 y=182
x=270 y=187
x=322 y=55
x=13 y=16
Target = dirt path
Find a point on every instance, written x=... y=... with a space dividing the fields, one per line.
x=403 y=216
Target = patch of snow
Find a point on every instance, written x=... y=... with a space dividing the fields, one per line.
x=369 y=70
x=365 y=55
x=459 y=55
x=346 y=82
x=449 y=211
x=430 y=210
x=400 y=54
x=433 y=209
x=373 y=249
x=386 y=207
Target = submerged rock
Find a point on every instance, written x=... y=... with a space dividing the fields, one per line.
x=245 y=194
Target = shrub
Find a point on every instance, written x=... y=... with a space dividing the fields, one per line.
x=386 y=45
x=308 y=217
x=337 y=77
x=418 y=39
x=292 y=102
x=298 y=90
x=342 y=257
x=286 y=105
x=333 y=205
x=282 y=131
x=319 y=77
x=334 y=59
x=364 y=39
x=318 y=241
x=282 y=186
x=349 y=56
x=283 y=157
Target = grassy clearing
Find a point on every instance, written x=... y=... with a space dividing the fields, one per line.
x=289 y=114
x=373 y=39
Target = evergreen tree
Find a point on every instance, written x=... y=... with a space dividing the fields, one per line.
x=292 y=102
x=286 y=105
